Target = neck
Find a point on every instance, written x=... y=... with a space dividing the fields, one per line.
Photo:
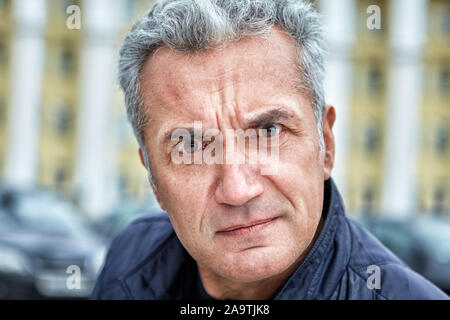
x=223 y=289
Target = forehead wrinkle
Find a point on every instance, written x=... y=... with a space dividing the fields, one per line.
x=227 y=88
x=217 y=59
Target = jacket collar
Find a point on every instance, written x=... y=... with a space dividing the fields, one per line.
x=171 y=272
x=323 y=257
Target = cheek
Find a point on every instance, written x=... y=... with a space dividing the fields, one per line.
x=300 y=180
x=300 y=173
x=185 y=199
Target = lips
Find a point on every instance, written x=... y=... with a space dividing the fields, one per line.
x=246 y=227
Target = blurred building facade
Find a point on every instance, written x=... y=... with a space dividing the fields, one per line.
x=434 y=158
x=392 y=99
x=63 y=123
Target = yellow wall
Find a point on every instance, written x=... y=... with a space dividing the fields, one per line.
x=367 y=112
x=60 y=99
x=434 y=156
x=132 y=175
x=5 y=35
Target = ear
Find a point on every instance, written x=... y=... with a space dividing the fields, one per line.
x=152 y=184
x=141 y=156
x=328 y=118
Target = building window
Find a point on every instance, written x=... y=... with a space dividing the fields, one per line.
x=441 y=139
x=2 y=111
x=2 y=54
x=130 y=9
x=445 y=23
x=123 y=185
x=60 y=176
x=368 y=197
x=62 y=121
x=68 y=3
x=370 y=139
x=124 y=131
x=443 y=81
x=66 y=62
x=374 y=80
x=438 y=200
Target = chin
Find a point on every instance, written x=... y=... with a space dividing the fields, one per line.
x=256 y=264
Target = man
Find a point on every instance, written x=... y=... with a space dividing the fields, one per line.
x=268 y=229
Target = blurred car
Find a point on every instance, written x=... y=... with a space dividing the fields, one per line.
x=46 y=249
x=421 y=241
x=124 y=214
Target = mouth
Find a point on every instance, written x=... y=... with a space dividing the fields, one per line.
x=244 y=229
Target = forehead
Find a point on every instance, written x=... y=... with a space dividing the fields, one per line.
x=248 y=73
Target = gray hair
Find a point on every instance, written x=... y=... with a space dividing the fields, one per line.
x=194 y=25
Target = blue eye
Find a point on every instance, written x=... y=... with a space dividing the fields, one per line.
x=270 y=130
x=191 y=147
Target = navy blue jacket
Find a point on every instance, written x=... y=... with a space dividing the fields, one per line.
x=147 y=261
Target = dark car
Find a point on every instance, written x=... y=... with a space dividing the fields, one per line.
x=46 y=249
x=421 y=241
x=124 y=214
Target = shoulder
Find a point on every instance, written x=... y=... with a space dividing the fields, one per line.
x=138 y=240
x=130 y=248
x=379 y=270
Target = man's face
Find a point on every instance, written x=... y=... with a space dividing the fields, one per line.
x=249 y=83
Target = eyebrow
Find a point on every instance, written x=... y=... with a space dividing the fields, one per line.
x=269 y=116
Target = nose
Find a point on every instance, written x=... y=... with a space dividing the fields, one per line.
x=238 y=185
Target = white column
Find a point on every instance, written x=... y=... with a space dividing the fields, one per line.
x=407 y=36
x=339 y=19
x=96 y=173
x=27 y=61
